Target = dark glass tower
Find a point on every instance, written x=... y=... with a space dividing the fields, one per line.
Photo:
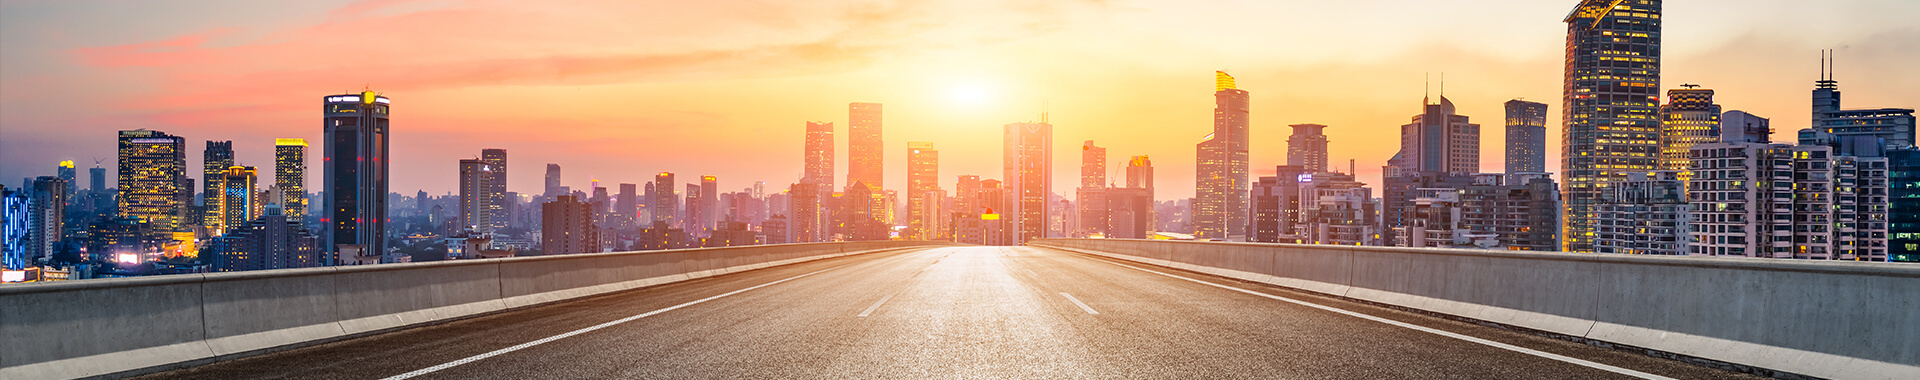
x=1526 y=137
x=355 y=170
x=1611 y=95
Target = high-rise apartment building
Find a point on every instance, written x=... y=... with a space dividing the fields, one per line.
x=216 y=159
x=1337 y=210
x=1029 y=172
x=153 y=179
x=476 y=195
x=355 y=175
x=818 y=157
x=496 y=191
x=1787 y=201
x=923 y=177
x=1220 y=181
x=46 y=217
x=1689 y=118
x=239 y=197
x=1307 y=148
x=1645 y=215
x=1438 y=140
x=1610 y=105
x=1526 y=137
x=290 y=176
x=866 y=154
x=664 y=205
x=566 y=227
x=696 y=212
x=1740 y=126
x=1521 y=210
x=710 y=210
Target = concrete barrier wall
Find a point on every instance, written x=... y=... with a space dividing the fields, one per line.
x=114 y=326
x=1817 y=318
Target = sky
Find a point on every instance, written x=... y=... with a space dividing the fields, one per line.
x=618 y=90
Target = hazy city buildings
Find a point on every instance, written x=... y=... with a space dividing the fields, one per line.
x=272 y=241
x=1140 y=174
x=1221 y=177
x=1307 y=148
x=1609 y=107
x=1526 y=137
x=923 y=177
x=866 y=153
x=1090 y=198
x=807 y=222
x=709 y=204
x=818 y=160
x=1522 y=210
x=152 y=179
x=567 y=227
x=290 y=177
x=1689 y=118
x=1647 y=214
x=356 y=174
x=1029 y=172
x=665 y=205
x=553 y=188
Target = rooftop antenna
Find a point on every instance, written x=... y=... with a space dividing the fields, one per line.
x=1826 y=70
x=1426 y=95
x=1043 y=111
x=1443 y=85
x=1690 y=86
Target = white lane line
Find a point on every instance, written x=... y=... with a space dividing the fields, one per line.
x=1083 y=305
x=522 y=346
x=1439 y=332
x=876 y=305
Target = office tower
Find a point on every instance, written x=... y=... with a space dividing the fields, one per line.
x=1787 y=201
x=216 y=159
x=1903 y=205
x=97 y=178
x=1610 y=105
x=1526 y=137
x=1307 y=148
x=67 y=173
x=46 y=217
x=355 y=177
x=1645 y=215
x=807 y=221
x=923 y=176
x=819 y=154
x=1029 y=171
x=1740 y=126
x=15 y=225
x=665 y=208
x=710 y=207
x=566 y=227
x=696 y=211
x=627 y=205
x=1276 y=204
x=476 y=187
x=553 y=188
x=1220 y=183
x=239 y=196
x=152 y=179
x=1438 y=140
x=1090 y=198
x=866 y=156
x=290 y=176
x=1522 y=210
x=1689 y=118
x=497 y=191
x=1093 y=165
x=1860 y=132
x=1140 y=174
x=272 y=241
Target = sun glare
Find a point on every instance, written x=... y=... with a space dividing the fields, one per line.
x=969 y=94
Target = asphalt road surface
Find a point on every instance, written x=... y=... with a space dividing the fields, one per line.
x=950 y=313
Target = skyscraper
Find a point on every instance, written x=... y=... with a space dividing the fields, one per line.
x=866 y=156
x=1860 y=132
x=553 y=189
x=665 y=208
x=818 y=155
x=1093 y=165
x=1029 y=171
x=355 y=176
x=239 y=200
x=1689 y=118
x=696 y=211
x=152 y=179
x=1091 y=198
x=710 y=203
x=476 y=188
x=46 y=218
x=497 y=191
x=1526 y=137
x=1740 y=126
x=808 y=223
x=1140 y=174
x=1307 y=148
x=290 y=176
x=1610 y=106
x=626 y=206
x=97 y=176
x=1438 y=140
x=67 y=173
x=216 y=159
x=1220 y=188
x=566 y=226
x=923 y=176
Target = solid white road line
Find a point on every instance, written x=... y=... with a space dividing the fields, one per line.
x=1439 y=332
x=1083 y=305
x=876 y=305
x=522 y=346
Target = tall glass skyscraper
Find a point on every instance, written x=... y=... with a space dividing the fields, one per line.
x=1611 y=103
x=819 y=154
x=355 y=170
x=1220 y=183
x=923 y=176
x=290 y=176
x=1526 y=137
x=496 y=189
x=1307 y=148
x=153 y=171
x=1689 y=118
x=1029 y=170
x=215 y=161
x=866 y=156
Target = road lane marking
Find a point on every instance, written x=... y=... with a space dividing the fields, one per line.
x=1083 y=305
x=876 y=305
x=522 y=346
x=1434 y=331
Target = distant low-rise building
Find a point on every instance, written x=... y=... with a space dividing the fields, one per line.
x=1647 y=214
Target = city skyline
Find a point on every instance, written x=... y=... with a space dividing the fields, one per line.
x=951 y=107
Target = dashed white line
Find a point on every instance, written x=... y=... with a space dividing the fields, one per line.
x=1083 y=305
x=522 y=346
x=1439 y=332
x=876 y=305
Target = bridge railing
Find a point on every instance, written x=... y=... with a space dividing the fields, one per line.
x=1817 y=318
x=132 y=325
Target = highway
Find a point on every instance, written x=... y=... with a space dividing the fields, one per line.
x=955 y=312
